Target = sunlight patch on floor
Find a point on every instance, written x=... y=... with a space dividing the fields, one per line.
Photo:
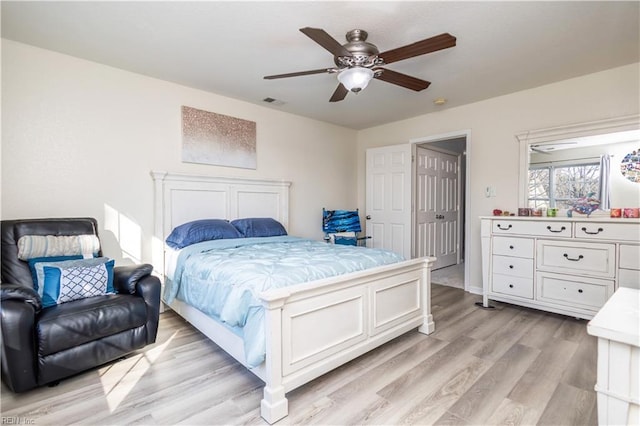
x=119 y=378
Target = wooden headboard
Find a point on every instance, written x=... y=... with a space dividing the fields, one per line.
x=180 y=198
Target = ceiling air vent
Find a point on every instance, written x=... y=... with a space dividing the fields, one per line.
x=273 y=101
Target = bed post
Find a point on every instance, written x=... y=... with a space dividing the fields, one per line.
x=274 y=405
x=428 y=326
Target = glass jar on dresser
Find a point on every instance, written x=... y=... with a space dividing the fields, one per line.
x=565 y=265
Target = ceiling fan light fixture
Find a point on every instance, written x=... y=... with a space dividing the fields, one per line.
x=356 y=78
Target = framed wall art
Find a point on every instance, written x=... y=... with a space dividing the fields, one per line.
x=216 y=139
x=630 y=166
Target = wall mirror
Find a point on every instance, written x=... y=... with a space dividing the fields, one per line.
x=558 y=165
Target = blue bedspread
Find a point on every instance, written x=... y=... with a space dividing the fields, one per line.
x=223 y=278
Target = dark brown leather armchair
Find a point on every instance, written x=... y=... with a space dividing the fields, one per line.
x=44 y=345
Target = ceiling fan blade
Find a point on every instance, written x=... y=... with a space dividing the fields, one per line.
x=321 y=37
x=403 y=80
x=439 y=42
x=339 y=94
x=539 y=151
x=296 y=74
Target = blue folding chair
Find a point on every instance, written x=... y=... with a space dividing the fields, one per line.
x=342 y=227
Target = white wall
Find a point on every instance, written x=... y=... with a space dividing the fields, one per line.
x=493 y=150
x=80 y=138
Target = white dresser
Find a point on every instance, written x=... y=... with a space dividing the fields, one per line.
x=565 y=265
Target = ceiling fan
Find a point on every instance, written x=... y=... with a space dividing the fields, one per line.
x=547 y=148
x=358 y=61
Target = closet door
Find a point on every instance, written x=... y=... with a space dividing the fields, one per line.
x=437 y=206
x=388 y=198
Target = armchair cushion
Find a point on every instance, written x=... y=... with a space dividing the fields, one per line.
x=79 y=280
x=70 y=325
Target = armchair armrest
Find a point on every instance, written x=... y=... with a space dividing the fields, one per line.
x=20 y=293
x=20 y=306
x=149 y=289
x=125 y=278
x=137 y=280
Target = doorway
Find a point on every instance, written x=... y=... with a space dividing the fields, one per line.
x=440 y=206
x=390 y=194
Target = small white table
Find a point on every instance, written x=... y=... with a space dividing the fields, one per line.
x=617 y=327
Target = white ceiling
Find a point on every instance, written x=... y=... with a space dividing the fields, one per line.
x=227 y=47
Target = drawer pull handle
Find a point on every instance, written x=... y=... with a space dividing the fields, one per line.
x=579 y=290
x=510 y=266
x=511 y=247
x=592 y=233
x=504 y=229
x=573 y=259
x=510 y=285
x=559 y=230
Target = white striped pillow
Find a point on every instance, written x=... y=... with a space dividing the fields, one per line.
x=31 y=246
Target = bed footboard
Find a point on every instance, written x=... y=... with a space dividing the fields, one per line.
x=316 y=327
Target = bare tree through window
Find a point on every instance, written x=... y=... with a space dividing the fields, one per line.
x=558 y=186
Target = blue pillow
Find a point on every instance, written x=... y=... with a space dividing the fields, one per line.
x=259 y=227
x=37 y=274
x=84 y=279
x=201 y=230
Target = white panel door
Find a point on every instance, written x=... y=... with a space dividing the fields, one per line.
x=437 y=206
x=388 y=198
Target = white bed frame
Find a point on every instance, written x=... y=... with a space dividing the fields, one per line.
x=311 y=328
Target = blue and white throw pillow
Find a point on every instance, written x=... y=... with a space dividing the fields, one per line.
x=83 y=279
x=37 y=267
x=37 y=273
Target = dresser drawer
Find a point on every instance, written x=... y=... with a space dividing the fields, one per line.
x=629 y=278
x=538 y=228
x=517 y=247
x=513 y=266
x=629 y=256
x=579 y=292
x=594 y=259
x=514 y=286
x=607 y=231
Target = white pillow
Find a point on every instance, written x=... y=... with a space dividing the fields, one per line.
x=31 y=246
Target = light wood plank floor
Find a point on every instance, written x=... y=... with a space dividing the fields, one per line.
x=509 y=365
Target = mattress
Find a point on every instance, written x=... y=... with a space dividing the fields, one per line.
x=224 y=278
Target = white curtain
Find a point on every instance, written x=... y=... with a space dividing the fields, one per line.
x=605 y=182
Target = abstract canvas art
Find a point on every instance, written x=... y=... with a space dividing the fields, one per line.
x=630 y=166
x=210 y=138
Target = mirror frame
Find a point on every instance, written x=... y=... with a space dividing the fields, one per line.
x=555 y=134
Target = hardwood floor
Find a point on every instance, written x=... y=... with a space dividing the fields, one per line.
x=509 y=365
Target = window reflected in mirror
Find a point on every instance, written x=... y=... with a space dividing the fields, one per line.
x=558 y=185
x=562 y=172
